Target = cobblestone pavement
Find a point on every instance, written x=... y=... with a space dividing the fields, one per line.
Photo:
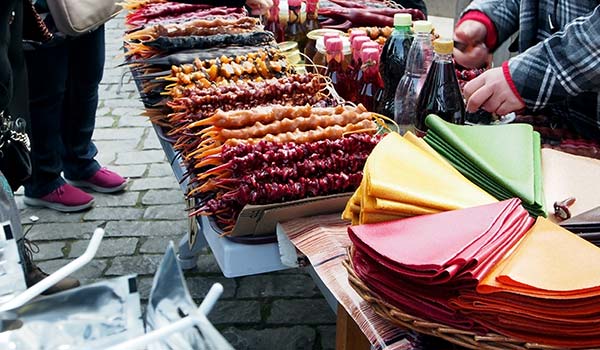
x=281 y=310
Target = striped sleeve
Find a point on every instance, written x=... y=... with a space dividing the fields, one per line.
x=503 y=13
x=565 y=64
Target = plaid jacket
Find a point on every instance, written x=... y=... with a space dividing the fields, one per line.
x=558 y=67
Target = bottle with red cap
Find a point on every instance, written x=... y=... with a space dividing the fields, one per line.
x=272 y=24
x=294 y=30
x=371 y=84
x=335 y=66
x=320 y=57
x=312 y=16
x=357 y=74
x=355 y=63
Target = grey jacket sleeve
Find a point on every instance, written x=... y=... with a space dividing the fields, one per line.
x=565 y=64
x=503 y=13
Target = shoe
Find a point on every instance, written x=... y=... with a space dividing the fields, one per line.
x=66 y=198
x=34 y=274
x=103 y=181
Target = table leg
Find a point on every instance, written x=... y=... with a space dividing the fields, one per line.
x=347 y=334
x=191 y=244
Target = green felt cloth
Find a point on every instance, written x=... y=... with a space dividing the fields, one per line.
x=504 y=160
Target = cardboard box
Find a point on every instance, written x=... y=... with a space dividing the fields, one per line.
x=258 y=220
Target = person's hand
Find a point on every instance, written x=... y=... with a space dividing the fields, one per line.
x=491 y=92
x=470 y=50
x=259 y=7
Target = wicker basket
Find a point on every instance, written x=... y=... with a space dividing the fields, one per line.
x=463 y=338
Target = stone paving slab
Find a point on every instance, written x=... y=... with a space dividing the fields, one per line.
x=279 y=310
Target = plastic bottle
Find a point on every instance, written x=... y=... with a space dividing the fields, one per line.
x=393 y=60
x=294 y=31
x=440 y=94
x=371 y=85
x=335 y=66
x=272 y=24
x=409 y=87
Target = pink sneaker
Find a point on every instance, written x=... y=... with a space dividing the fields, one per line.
x=66 y=198
x=104 y=181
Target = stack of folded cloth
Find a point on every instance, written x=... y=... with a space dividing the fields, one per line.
x=504 y=160
x=405 y=177
x=546 y=291
x=417 y=264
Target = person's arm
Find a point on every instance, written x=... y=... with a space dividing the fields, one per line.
x=565 y=64
x=502 y=17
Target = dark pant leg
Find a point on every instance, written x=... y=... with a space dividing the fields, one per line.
x=47 y=68
x=86 y=64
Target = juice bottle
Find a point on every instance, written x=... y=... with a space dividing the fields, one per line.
x=294 y=31
x=335 y=66
x=440 y=94
x=417 y=66
x=320 y=59
x=272 y=24
x=393 y=60
x=371 y=85
x=312 y=16
x=354 y=71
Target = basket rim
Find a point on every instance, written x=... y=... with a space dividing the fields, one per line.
x=467 y=339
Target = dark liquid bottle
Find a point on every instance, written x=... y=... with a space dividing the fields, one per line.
x=295 y=29
x=440 y=94
x=370 y=85
x=393 y=60
x=272 y=24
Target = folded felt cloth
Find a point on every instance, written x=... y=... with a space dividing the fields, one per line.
x=445 y=247
x=405 y=177
x=504 y=160
x=566 y=175
x=550 y=262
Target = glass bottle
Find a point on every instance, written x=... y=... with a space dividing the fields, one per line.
x=272 y=24
x=320 y=58
x=312 y=16
x=354 y=68
x=440 y=94
x=393 y=60
x=409 y=87
x=335 y=66
x=294 y=31
x=371 y=85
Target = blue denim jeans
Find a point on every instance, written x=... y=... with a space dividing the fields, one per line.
x=63 y=95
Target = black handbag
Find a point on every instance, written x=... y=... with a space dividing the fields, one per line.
x=15 y=159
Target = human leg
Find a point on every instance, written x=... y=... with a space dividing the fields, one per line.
x=86 y=56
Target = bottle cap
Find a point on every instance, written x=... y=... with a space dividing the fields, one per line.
x=402 y=20
x=370 y=55
x=370 y=45
x=357 y=32
x=328 y=36
x=319 y=33
x=422 y=27
x=443 y=46
x=334 y=44
x=294 y=2
x=358 y=41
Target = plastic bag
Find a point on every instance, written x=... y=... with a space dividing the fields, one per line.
x=170 y=301
x=12 y=279
x=89 y=317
